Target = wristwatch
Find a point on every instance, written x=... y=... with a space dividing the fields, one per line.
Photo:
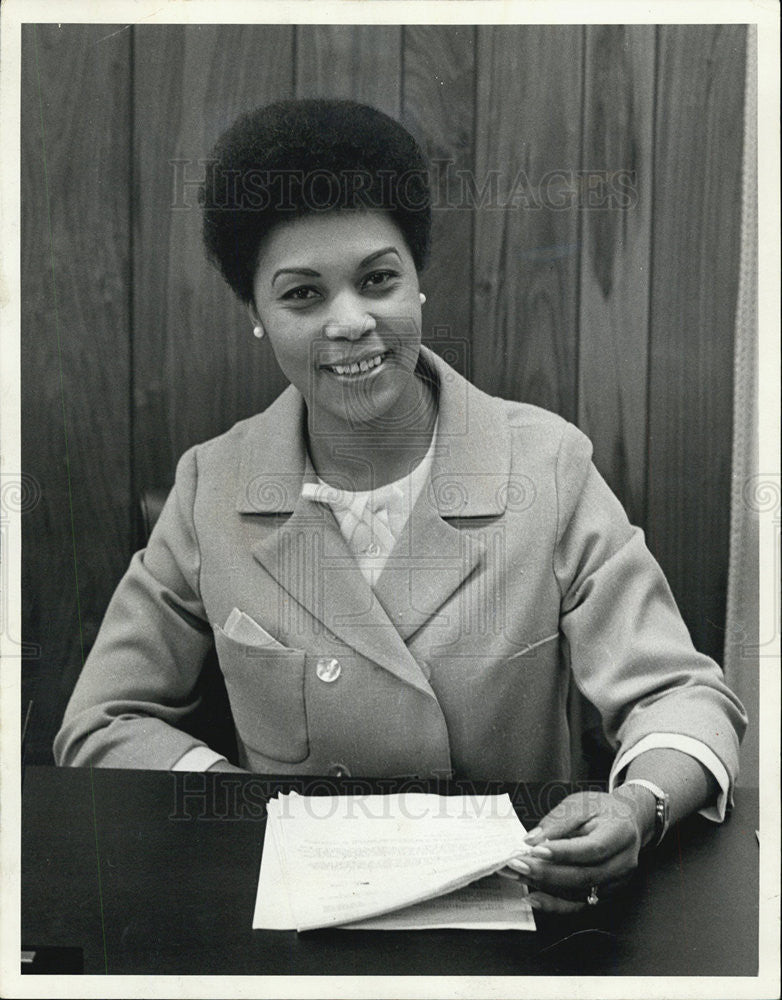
x=662 y=809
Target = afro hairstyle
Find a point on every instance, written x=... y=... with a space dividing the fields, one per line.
x=294 y=158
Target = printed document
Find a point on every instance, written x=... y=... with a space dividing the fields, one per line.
x=409 y=860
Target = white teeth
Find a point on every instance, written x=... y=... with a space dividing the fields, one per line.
x=358 y=366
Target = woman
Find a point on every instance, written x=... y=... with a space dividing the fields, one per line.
x=398 y=571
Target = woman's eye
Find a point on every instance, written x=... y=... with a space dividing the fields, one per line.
x=377 y=279
x=301 y=294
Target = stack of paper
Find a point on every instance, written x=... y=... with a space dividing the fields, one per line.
x=403 y=861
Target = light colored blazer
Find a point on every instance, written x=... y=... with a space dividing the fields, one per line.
x=517 y=566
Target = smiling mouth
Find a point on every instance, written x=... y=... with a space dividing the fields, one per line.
x=358 y=367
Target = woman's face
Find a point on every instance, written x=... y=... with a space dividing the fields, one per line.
x=338 y=297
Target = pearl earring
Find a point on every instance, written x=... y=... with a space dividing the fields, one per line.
x=422 y=297
x=258 y=331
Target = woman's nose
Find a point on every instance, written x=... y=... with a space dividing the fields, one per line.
x=349 y=323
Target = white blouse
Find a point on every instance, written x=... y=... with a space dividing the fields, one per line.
x=372 y=520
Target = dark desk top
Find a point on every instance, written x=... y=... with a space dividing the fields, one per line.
x=152 y=872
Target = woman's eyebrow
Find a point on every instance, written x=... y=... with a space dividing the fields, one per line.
x=378 y=253
x=296 y=270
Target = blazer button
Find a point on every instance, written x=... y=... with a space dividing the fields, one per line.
x=339 y=771
x=328 y=669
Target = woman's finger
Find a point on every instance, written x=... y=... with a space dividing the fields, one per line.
x=605 y=887
x=565 y=819
x=604 y=840
x=576 y=880
x=573 y=880
x=554 y=904
x=605 y=884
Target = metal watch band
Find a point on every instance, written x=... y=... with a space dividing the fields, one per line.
x=662 y=809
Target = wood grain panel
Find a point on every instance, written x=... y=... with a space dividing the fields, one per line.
x=616 y=234
x=528 y=139
x=437 y=107
x=75 y=195
x=197 y=368
x=361 y=62
x=696 y=217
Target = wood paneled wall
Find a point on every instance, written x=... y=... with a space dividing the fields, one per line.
x=77 y=345
x=620 y=318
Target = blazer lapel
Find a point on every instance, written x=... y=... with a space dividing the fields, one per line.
x=470 y=480
x=274 y=458
x=430 y=560
x=310 y=559
x=307 y=555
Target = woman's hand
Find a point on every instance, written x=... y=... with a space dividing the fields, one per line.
x=589 y=839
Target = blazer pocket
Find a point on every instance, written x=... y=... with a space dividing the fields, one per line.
x=265 y=687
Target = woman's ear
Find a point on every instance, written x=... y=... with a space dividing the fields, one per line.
x=258 y=330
